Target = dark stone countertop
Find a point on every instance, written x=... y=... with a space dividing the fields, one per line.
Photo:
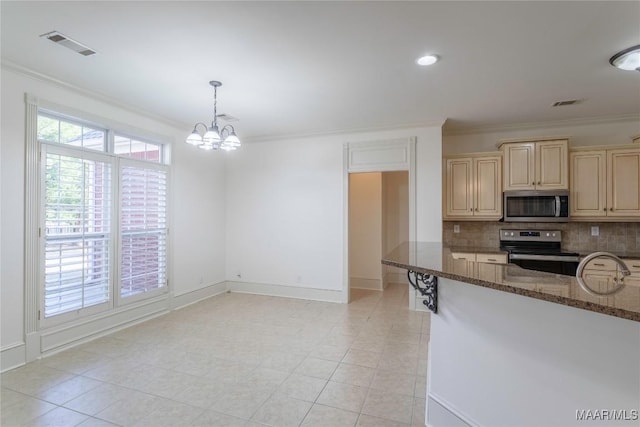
x=436 y=259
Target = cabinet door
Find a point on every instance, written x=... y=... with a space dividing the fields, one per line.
x=588 y=184
x=623 y=186
x=459 y=194
x=598 y=281
x=488 y=186
x=519 y=166
x=629 y=296
x=551 y=165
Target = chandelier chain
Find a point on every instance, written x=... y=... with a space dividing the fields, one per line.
x=215 y=105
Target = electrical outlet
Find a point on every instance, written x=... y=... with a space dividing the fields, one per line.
x=595 y=230
x=456 y=228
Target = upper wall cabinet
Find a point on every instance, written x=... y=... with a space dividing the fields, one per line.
x=473 y=187
x=536 y=165
x=605 y=184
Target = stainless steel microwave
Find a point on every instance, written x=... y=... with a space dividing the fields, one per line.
x=536 y=206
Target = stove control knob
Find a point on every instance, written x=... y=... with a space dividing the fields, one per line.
x=554 y=234
x=512 y=233
x=547 y=234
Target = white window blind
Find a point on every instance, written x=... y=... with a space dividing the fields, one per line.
x=143 y=228
x=77 y=205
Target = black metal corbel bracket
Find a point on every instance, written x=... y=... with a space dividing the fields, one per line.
x=427 y=285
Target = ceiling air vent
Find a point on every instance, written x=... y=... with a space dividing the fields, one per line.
x=227 y=118
x=69 y=43
x=563 y=103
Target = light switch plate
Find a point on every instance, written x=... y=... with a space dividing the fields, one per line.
x=456 y=228
x=595 y=230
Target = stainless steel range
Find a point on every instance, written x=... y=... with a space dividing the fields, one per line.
x=538 y=250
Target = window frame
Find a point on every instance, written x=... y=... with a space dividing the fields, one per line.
x=82 y=153
x=36 y=151
x=120 y=300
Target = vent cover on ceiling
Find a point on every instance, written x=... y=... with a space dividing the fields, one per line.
x=563 y=103
x=69 y=43
x=227 y=118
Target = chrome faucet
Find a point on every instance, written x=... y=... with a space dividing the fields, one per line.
x=623 y=269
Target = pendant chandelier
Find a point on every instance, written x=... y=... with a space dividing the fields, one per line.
x=213 y=137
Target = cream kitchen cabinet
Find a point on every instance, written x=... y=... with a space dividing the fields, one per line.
x=473 y=187
x=536 y=165
x=484 y=266
x=602 y=275
x=605 y=184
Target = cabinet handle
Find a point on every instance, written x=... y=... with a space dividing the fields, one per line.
x=491 y=259
x=476 y=209
x=611 y=209
x=605 y=209
x=533 y=183
x=538 y=182
x=598 y=264
x=635 y=266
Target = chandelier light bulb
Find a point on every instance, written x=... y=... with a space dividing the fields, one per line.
x=194 y=138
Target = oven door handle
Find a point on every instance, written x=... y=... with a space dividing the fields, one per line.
x=557 y=213
x=534 y=257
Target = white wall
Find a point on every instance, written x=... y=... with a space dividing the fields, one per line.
x=580 y=133
x=395 y=218
x=285 y=207
x=197 y=190
x=284 y=214
x=500 y=359
x=365 y=230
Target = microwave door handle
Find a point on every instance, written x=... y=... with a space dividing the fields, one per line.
x=557 y=213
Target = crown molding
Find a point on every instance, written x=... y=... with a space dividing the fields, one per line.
x=27 y=72
x=347 y=131
x=537 y=125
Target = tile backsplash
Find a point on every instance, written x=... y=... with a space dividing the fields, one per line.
x=616 y=237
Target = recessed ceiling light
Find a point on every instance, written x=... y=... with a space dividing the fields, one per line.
x=427 y=60
x=628 y=59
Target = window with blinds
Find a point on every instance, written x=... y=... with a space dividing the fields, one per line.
x=77 y=235
x=143 y=228
x=94 y=258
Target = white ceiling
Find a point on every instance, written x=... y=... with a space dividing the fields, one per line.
x=293 y=68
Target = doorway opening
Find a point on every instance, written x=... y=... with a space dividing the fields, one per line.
x=378 y=222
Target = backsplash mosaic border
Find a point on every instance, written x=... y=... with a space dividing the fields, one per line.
x=616 y=237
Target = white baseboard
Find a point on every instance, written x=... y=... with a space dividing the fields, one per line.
x=59 y=338
x=362 y=283
x=442 y=413
x=396 y=277
x=286 y=291
x=12 y=356
x=188 y=298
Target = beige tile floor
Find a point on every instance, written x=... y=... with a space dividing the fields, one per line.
x=238 y=360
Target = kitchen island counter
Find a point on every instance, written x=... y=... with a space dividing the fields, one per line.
x=437 y=259
x=515 y=347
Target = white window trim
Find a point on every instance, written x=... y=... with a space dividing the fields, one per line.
x=33 y=325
